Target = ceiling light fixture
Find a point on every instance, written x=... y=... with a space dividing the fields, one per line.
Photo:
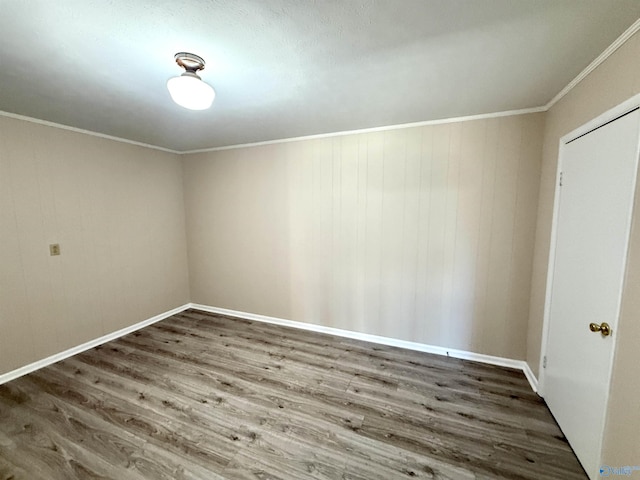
x=188 y=90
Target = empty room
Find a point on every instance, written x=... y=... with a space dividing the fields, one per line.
x=356 y=239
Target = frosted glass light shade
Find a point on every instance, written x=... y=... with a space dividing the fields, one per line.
x=189 y=91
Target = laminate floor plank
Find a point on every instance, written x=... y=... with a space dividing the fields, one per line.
x=276 y=358
x=260 y=338
x=206 y=396
x=49 y=450
x=449 y=414
x=230 y=413
x=173 y=452
x=51 y=415
x=255 y=359
x=187 y=431
x=261 y=388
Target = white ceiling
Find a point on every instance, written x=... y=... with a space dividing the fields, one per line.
x=288 y=68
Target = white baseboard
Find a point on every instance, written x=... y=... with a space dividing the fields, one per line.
x=393 y=342
x=19 y=372
x=533 y=381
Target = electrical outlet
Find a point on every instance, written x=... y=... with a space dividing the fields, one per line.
x=54 y=249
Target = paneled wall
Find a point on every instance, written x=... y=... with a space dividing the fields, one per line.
x=422 y=234
x=117 y=212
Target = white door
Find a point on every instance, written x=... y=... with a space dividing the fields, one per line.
x=592 y=230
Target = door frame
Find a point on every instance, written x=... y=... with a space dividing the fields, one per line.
x=608 y=116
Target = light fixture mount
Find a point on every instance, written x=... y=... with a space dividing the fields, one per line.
x=190 y=62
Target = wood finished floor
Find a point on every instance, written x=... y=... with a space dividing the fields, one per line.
x=202 y=396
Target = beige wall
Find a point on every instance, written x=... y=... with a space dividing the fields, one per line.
x=117 y=212
x=614 y=81
x=422 y=234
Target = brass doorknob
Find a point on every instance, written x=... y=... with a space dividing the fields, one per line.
x=603 y=328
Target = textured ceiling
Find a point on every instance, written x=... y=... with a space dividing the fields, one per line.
x=287 y=68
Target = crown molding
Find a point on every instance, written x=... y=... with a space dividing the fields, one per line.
x=467 y=118
x=61 y=126
x=628 y=33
